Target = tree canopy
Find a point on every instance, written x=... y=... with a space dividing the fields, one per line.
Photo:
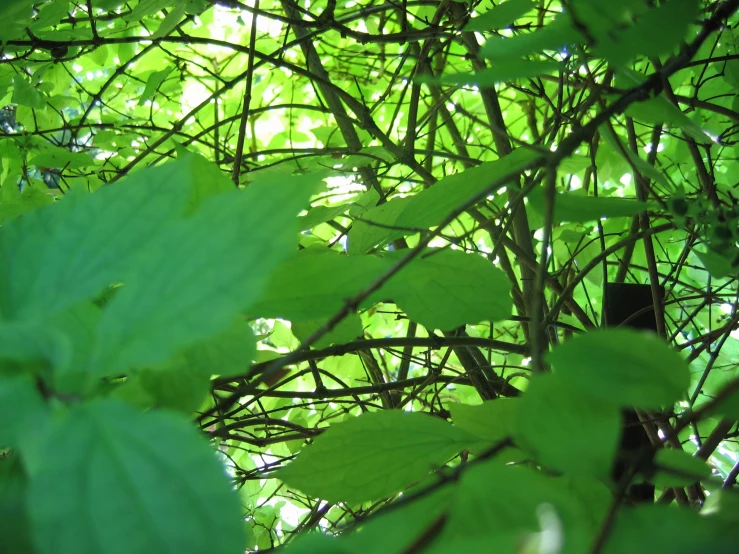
x=369 y=276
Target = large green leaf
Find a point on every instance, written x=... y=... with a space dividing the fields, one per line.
x=200 y=272
x=658 y=109
x=347 y=330
x=658 y=31
x=22 y=409
x=314 y=284
x=398 y=530
x=309 y=543
x=431 y=206
x=16 y=15
x=109 y=480
x=13 y=202
x=33 y=347
x=678 y=468
x=373 y=456
x=504 y=505
x=500 y=16
x=441 y=290
x=55 y=156
x=567 y=430
x=379 y=225
x=448 y=288
x=556 y=35
x=60 y=254
x=622 y=366
x=500 y=71
x=230 y=352
x=178 y=386
x=15 y=532
x=575 y=207
x=660 y=528
x=79 y=324
x=492 y=421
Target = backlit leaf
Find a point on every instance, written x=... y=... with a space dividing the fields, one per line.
x=500 y=16
x=448 y=288
x=373 y=456
x=658 y=31
x=622 y=366
x=677 y=468
x=556 y=35
x=429 y=207
x=575 y=207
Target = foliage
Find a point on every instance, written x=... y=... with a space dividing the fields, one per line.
x=328 y=277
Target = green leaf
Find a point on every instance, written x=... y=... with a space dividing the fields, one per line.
x=641 y=165
x=314 y=284
x=373 y=456
x=574 y=164
x=501 y=71
x=398 y=530
x=349 y=329
x=504 y=504
x=310 y=543
x=321 y=214
x=331 y=137
x=200 y=272
x=716 y=264
x=622 y=366
x=441 y=290
x=492 y=421
x=16 y=14
x=567 y=430
x=376 y=226
x=500 y=16
x=658 y=528
x=677 y=468
x=230 y=352
x=722 y=504
x=146 y=8
x=25 y=94
x=431 y=206
x=35 y=347
x=55 y=156
x=15 y=532
x=79 y=324
x=153 y=82
x=178 y=386
x=13 y=202
x=658 y=31
x=659 y=110
x=170 y=22
x=50 y=15
x=448 y=288
x=71 y=250
x=573 y=206
x=113 y=469
x=556 y=35
x=22 y=410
